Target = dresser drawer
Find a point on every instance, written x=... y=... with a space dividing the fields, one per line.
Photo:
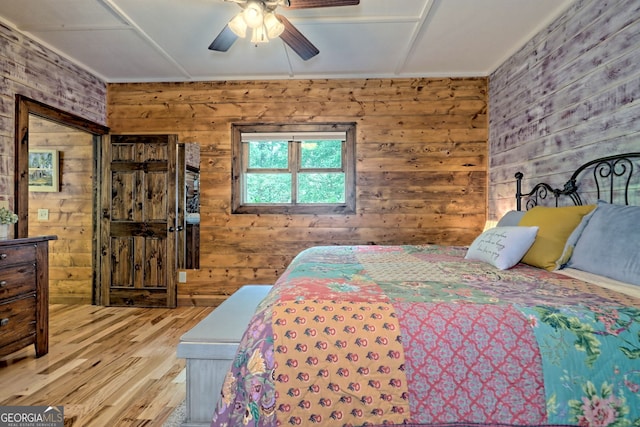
x=17 y=280
x=18 y=254
x=17 y=320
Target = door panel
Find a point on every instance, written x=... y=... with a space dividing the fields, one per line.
x=122 y=263
x=156 y=202
x=139 y=213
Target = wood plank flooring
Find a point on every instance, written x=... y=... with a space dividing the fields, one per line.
x=107 y=366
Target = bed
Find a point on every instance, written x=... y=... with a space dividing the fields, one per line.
x=536 y=323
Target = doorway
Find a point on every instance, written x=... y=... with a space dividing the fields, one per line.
x=138 y=221
x=152 y=246
x=61 y=204
x=33 y=118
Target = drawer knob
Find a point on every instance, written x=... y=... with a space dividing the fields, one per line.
x=3 y=256
x=3 y=283
x=4 y=322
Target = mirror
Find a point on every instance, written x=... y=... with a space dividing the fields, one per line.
x=189 y=210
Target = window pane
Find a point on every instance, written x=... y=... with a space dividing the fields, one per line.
x=268 y=188
x=321 y=188
x=268 y=154
x=321 y=154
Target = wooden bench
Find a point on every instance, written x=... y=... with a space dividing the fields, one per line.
x=209 y=348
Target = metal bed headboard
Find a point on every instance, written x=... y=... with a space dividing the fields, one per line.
x=609 y=173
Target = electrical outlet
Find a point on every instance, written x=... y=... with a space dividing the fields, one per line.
x=182 y=277
x=43 y=214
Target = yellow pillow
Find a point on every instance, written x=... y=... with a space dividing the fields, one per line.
x=554 y=228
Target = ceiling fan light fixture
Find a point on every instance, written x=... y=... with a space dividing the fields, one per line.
x=259 y=35
x=238 y=26
x=273 y=25
x=265 y=24
x=254 y=14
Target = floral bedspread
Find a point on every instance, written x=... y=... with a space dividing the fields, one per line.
x=419 y=336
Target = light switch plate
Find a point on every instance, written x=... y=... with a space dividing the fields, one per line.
x=182 y=277
x=43 y=214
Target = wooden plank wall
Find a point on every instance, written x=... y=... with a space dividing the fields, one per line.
x=30 y=69
x=421 y=165
x=568 y=96
x=70 y=211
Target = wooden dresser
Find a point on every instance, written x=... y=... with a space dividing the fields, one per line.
x=24 y=294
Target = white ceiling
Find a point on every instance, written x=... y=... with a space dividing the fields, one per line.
x=167 y=40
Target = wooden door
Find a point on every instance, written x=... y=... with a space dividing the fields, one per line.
x=138 y=248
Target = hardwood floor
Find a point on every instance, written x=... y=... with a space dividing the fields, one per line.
x=107 y=366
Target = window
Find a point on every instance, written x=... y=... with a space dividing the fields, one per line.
x=303 y=168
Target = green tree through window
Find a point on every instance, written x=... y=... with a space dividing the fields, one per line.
x=296 y=170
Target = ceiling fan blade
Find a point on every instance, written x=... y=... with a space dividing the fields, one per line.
x=296 y=41
x=308 y=4
x=225 y=39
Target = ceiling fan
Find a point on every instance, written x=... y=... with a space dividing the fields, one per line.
x=259 y=16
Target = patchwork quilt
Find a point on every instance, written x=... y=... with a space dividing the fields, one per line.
x=419 y=336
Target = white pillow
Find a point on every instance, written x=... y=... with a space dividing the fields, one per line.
x=502 y=247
